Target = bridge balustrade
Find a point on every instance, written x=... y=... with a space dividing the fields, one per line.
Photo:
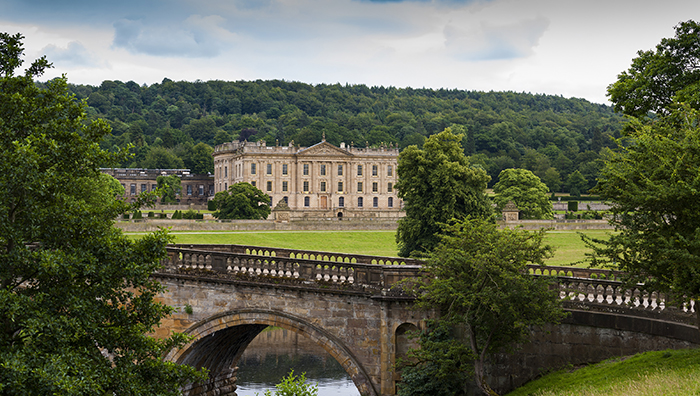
x=302 y=254
x=581 y=286
x=262 y=263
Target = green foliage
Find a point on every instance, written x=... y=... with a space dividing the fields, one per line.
x=441 y=365
x=477 y=278
x=658 y=79
x=293 y=385
x=176 y=215
x=526 y=190
x=577 y=184
x=670 y=372
x=652 y=182
x=437 y=183
x=242 y=201
x=137 y=215
x=169 y=187
x=76 y=296
x=572 y=206
x=190 y=215
x=211 y=205
x=546 y=134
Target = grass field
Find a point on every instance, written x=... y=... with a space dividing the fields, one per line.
x=652 y=373
x=569 y=249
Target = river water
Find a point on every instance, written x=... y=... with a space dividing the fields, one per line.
x=274 y=352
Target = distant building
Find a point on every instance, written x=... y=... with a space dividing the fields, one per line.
x=194 y=189
x=318 y=181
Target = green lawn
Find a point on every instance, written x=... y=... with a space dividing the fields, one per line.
x=652 y=373
x=569 y=249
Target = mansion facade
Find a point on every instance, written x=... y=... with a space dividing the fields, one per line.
x=195 y=189
x=322 y=180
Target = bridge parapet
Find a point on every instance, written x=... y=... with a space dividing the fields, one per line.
x=295 y=266
x=595 y=289
x=302 y=254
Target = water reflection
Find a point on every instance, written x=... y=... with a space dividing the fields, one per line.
x=274 y=352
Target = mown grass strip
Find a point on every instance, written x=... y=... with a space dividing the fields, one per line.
x=569 y=249
x=672 y=372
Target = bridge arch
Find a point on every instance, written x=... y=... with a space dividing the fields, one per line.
x=219 y=341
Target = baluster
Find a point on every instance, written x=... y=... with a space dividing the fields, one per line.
x=208 y=261
x=599 y=294
x=319 y=272
x=265 y=268
x=334 y=273
x=228 y=264
x=274 y=268
x=295 y=270
x=609 y=295
x=288 y=270
x=343 y=271
x=258 y=267
x=653 y=301
x=351 y=275
x=563 y=289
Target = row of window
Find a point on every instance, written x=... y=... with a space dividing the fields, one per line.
x=305 y=170
x=323 y=186
x=360 y=202
x=323 y=170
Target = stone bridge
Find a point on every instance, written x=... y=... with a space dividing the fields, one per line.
x=227 y=294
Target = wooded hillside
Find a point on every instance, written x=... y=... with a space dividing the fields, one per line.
x=176 y=124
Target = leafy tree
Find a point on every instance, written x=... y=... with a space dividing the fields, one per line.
x=199 y=159
x=437 y=184
x=293 y=385
x=242 y=201
x=577 y=184
x=659 y=78
x=652 y=182
x=526 y=190
x=161 y=158
x=439 y=366
x=169 y=187
x=76 y=297
x=477 y=278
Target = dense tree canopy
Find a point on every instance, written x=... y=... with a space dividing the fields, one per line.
x=652 y=182
x=477 y=279
x=76 y=298
x=437 y=183
x=542 y=133
x=526 y=190
x=659 y=78
x=242 y=201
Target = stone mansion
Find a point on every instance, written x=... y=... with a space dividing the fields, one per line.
x=318 y=181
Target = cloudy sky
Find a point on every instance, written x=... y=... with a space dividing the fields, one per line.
x=573 y=48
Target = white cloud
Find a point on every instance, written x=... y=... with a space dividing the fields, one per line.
x=488 y=41
x=197 y=36
x=72 y=56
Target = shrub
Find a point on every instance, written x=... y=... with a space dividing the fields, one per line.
x=294 y=386
x=151 y=215
x=125 y=216
x=572 y=206
x=137 y=215
x=211 y=205
x=190 y=215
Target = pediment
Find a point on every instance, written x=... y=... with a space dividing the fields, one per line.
x=323 y=149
